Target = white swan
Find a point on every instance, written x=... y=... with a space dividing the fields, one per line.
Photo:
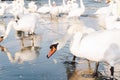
x=2 y=27
x=32 y=7
x=3 y=7
x=75 y=24
x=45 y=9
x=117 y=8
x=110 y=18
x=96 y=46
x=77 y=12
x=16 y=8
x=105 y=14
x=27 y=24
x=111 y=22
x=64 y=8
x=110 y=9
x=54 y=11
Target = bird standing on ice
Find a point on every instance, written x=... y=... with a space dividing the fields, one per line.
x=26 y=24
x=78 y=11
x=96 y=46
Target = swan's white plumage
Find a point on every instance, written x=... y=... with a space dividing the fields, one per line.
x=107 y=16
x=95 y=46
x=45 y=8
x=111 y=22
x=27 y=24
x=32 y=7
x=77 y=11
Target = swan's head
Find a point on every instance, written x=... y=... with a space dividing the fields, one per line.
x=108 y=1
x=1 y=38
x=2 y=48
x=53 y=3
x=53 y=49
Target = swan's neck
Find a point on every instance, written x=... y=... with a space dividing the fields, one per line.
x=64 y=3
x=63 y=41
x=114 y=8
x=75 y=43
x=9 y=26
x=49 y=3
x=81 y=4
x=118 y=8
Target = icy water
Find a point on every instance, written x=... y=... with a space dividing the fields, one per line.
x=33 y=63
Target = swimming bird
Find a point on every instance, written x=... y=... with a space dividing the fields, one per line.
x=27 y=24
x=99 y=46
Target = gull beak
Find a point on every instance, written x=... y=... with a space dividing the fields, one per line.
x=1 y=38
x=53 y=49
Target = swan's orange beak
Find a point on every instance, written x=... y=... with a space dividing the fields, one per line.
x=2 y=48
x=53 y=49
x=108 y=1
x=1 y=38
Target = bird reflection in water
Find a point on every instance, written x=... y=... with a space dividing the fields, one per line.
x=28 y=51
x=75 y=72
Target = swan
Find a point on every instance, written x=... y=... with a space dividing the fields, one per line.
x=109 y=18
x=105 y=13
x=64 y=8
x=99 y=46
x=111 y=22
x=54 y=11
x=16 y=8
x=45 y=9
x=3 y=7
x=77 y=12
x=109 y=9
x=69 y=34
x=27 y=24
x=117 y=8
x=32 y=7
x=74 y=4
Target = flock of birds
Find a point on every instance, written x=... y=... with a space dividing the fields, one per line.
x=102 y=45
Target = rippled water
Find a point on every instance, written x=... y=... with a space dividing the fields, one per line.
x=35 y=65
